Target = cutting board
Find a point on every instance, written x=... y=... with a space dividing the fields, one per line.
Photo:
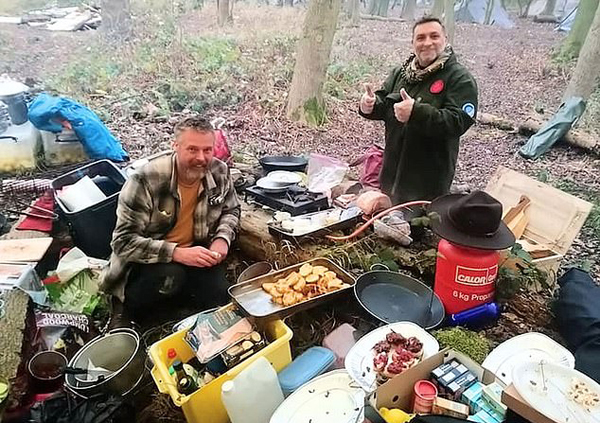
x=25 y=250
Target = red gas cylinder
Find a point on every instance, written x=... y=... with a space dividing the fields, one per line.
x=465 y=277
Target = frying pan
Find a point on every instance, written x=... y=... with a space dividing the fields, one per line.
x=290 y=163
x=392 y=297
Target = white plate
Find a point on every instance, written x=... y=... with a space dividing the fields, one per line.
x=359 y=360
x=527 y=347
x=553 y=401
x=284 y=177
x=268 y=185
x=329 y=398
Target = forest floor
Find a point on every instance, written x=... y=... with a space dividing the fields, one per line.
x=181 y=62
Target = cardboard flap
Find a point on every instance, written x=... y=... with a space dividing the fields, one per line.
x=555 y=217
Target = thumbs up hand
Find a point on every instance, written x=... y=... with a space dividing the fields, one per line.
x=367 y=101
x=403 y=109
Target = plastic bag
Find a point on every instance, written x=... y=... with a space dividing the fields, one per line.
x=23 y=277
x=63 y=332
x=216 y=330
x=76 y=286
x=221 y=150
x=372 y=162
x=324 y=173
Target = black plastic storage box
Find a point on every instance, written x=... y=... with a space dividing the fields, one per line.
x=93 y=226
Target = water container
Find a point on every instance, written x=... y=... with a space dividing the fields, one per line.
x=253 y=395
x=465 y=277
x=20 y=146
x=62 y=148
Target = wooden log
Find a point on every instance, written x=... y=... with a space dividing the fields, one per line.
x=382 y=18
x=532 y=125
x=545 y=19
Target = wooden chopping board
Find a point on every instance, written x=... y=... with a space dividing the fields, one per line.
x=23 y=250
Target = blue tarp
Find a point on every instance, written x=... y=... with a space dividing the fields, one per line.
x=47 y=111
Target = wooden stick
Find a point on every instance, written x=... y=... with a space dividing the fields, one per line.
x=382 y=18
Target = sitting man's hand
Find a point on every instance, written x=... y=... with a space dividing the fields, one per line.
x=220 y=247
x=196 y=256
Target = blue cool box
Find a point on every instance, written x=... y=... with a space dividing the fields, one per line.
x=307 y=366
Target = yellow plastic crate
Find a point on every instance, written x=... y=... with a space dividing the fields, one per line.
x=204 y=405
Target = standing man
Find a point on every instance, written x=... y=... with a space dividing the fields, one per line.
x=427 y=104
x=176 y=219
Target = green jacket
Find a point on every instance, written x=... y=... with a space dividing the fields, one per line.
x=420 y=156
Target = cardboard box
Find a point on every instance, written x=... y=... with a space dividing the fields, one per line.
x=516 y=403
x=398 y=392
x=555 y=217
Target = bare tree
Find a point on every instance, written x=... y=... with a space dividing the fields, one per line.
x=449 y=21
x=549 y=8
x=116 y=19
x=224 y=11
x=438 y=8
x=583 y=20
x=379 y=7
x=305 y=101
x=410 y=10
x=585 y=77
x=354 y=12
x=489 y=9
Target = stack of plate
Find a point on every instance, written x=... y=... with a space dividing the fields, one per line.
x=278 y=181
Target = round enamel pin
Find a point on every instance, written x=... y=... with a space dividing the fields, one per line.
x=469 y=108
x=437 y=87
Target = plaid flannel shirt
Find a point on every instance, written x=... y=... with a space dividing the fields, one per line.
x=147 y=211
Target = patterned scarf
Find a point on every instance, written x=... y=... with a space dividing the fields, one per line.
x=413 y=73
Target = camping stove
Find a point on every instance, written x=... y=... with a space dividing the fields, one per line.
x=295 y=200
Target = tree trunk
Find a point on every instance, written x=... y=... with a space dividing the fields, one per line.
x=291 y=3
x=584 y=79
x=373 y=6
x=549 y=8
x=410 y=10
x=438 y=8
x=449 y=20
x=223 y=12
x=305 y=101
x=581 y=25
x=354 y=12
x=489 y=8
x=116 y=19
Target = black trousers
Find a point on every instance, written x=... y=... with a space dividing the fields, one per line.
x=154 y=288
x=578 y=316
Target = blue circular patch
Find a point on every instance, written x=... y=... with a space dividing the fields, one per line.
x=469 y=108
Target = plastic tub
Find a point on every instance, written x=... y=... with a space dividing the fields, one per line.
x=92 y=227
x=62 y=148
x=20 y=145
x=310 y=364
x=205 y=405
x=340 y=341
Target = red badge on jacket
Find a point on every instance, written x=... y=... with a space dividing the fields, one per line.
x=437 y=87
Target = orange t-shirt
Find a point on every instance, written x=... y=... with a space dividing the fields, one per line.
x=183 y=231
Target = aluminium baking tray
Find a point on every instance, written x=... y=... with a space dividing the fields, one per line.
x=348 y=222
x=254 y=301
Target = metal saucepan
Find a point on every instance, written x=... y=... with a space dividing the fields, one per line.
x=120 y=352
x=291 y=163
x=255 y=270
x=393 y=297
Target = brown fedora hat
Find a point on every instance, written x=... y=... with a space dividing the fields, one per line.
x=472 y=220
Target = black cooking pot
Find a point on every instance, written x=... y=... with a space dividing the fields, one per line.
x=289 y=163
x=393 y=297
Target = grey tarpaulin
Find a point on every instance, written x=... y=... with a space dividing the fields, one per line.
x=568 y=113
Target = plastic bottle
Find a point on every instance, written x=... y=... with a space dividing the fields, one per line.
x=477 y=316
x=254 y=394
x=186 y=386
x=179 y=372
x=171 y=356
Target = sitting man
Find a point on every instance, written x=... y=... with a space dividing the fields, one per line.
x=176 y=219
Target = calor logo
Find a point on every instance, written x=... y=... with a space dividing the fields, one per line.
x=476 y=277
